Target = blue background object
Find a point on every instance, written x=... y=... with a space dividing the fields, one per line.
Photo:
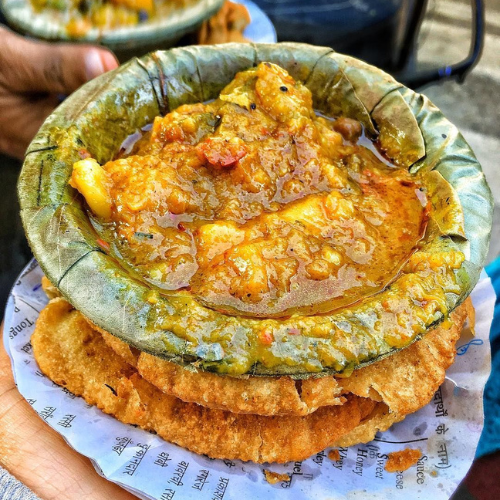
x=260 y=29
x=342 y=16
x=490 y=438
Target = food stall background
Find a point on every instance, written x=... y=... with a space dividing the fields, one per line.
x=443 y=39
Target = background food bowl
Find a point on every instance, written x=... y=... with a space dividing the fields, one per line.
x=126 y=42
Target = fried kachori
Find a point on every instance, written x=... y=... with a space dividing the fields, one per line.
x=106 y=373
x=74 y=355
x=421 y=367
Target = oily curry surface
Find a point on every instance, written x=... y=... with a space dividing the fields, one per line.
x=255 y=205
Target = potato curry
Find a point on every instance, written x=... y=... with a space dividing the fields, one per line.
x=256 y=205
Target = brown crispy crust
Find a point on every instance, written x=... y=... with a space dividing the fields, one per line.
x=404 y=381
x=400 y=461
x=256 y=395
x=50 y=290
x=74 y=355
x=379 y=420
x=407 y=380
x=129 y=354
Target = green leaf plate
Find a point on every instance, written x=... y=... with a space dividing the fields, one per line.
x=99 y=116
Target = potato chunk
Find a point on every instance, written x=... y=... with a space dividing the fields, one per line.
x=93 y=183
x=214 y=239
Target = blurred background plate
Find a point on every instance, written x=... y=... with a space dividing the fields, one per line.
x=130 y=41
x=260 y=29
x=49 y=24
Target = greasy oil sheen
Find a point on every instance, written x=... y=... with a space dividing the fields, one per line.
x=259 y=207
x=272 y=232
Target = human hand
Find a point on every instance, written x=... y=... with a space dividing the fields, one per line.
x=32 y=76
x=39 y=457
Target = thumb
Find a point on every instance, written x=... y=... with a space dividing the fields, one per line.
x=31 y=66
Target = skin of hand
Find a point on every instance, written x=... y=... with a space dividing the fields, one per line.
x=33 y=76
x=39 y=457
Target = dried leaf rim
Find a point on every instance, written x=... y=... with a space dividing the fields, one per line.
x=128 y=98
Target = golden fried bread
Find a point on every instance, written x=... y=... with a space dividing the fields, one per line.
x=421 y=367
x=74 y=355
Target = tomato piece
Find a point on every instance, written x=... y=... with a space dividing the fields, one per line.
x=266 y=336
x=221 y=152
